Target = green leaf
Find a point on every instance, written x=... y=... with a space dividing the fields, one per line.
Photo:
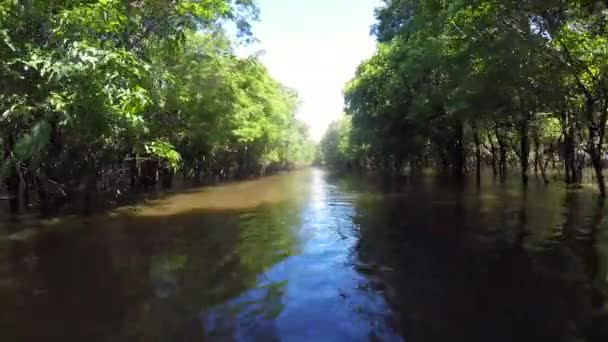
x=34 y=142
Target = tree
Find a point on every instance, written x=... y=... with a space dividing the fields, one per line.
x=491 y=75
x=90 y=87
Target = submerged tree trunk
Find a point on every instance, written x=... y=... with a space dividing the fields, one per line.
x=134 y=170
x=26 y=191
x=477 y=154
x=502 y=152
x=563 y=146
x=599 y=175
x=525 y=147
x=197 y=171
x=11 y=180
x=21 y=190
x=571 y=169
x=537 y=156
x=602 y=133
x=596 y=130
x=43 y=194
x=540 y=163
x=493 y=153
x=596 y=140
x=566 y=150
x=89 y=193
x=543 y=169
x=12 y=187
x=571 y=163
x=459 y=153
x=166 y=175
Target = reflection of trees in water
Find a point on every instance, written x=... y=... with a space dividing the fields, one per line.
x=250 y=316
x=452 y=265
x=225 y=254
x=584 y=230
x=149 y=278
x=449 y=280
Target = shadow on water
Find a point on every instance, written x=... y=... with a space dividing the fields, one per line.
x=315 y=256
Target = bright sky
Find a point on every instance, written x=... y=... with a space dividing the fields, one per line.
x=315 y=46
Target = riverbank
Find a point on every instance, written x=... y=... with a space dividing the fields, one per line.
x=109 y=198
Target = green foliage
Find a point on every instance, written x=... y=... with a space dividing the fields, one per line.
x=34 y=142
x=163 y=150
x=336 y=146
x=89 y=83
x=451 y=75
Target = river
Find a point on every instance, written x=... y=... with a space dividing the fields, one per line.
x=317 y=256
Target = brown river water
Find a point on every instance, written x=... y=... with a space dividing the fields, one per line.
x=316 y=256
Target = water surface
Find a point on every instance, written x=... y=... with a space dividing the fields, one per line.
x=316 y=256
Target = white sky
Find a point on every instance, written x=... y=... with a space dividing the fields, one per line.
x=315 y=46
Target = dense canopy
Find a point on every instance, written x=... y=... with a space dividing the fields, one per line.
x=474 y=82
x=97 y=96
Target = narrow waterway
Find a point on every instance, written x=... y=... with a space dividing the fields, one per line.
x=316 y=256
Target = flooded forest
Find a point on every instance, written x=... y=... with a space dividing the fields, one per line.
x=156 y=184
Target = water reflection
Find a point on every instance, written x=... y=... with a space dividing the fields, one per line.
x=467 y=269
x=317 y=293
x=316 y=256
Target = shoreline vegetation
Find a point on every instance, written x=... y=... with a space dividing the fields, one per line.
x=103 y=100
x=183 y=197
x=460 y=86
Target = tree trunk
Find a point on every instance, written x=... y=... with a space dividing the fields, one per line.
x=184 y=173
x=543 y=169
x=596 y=140
x=596 y=132
x=537 y=157
x=502 y=151
x=493 y=152
x=525 y=147
x=568 y=155
x=89 y=189
x=43 y=194
x=197 y=171
x=596 y=161
x=567 y=146
x=12 y=186
x=12 y=179
x=26 y=190
x=573 y=169
x=134 y=170
x=459 y=154
x=477 y=154
x=21 y=189
x=244 y=167
x=166 y=175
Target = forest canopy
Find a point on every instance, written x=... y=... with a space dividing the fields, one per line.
x=97 y=93
x=461 y=84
